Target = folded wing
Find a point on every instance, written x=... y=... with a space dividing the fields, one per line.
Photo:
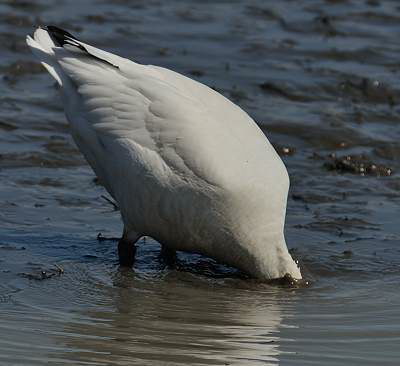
x=170 y=124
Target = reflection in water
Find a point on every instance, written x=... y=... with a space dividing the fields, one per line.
x=177 y=320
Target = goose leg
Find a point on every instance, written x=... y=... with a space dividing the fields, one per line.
x=168 y=256
x=127 y=249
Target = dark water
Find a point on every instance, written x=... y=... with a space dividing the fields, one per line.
x=321 y=78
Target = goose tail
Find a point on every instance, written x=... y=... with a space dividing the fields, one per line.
x=51 y=44
x=42 y=47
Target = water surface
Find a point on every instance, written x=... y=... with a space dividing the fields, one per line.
x=321 y=79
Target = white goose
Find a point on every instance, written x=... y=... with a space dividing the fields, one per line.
x=185 y=165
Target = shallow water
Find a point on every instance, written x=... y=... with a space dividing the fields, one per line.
x=321 y=79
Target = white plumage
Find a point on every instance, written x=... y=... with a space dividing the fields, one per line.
x=186 y=166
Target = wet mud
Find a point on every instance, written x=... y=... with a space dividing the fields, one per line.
x=321 y=79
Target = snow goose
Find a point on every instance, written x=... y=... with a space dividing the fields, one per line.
x=186 y=166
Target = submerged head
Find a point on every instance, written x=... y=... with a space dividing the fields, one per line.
x=288 y=281
x=282 y=271
x=276 y=262
x=269 y=259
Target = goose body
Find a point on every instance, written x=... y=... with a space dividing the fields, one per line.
x=185 y=165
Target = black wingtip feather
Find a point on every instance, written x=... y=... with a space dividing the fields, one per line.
x=59 y=36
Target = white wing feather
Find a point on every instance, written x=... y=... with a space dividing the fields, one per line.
x=182 y=121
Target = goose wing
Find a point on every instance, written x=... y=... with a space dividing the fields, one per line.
x=167 y=123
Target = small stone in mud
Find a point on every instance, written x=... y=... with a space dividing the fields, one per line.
x=285 y=150
x=356 y=164
x=347 y=253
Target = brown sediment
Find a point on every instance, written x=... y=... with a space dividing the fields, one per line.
x=356 y=164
